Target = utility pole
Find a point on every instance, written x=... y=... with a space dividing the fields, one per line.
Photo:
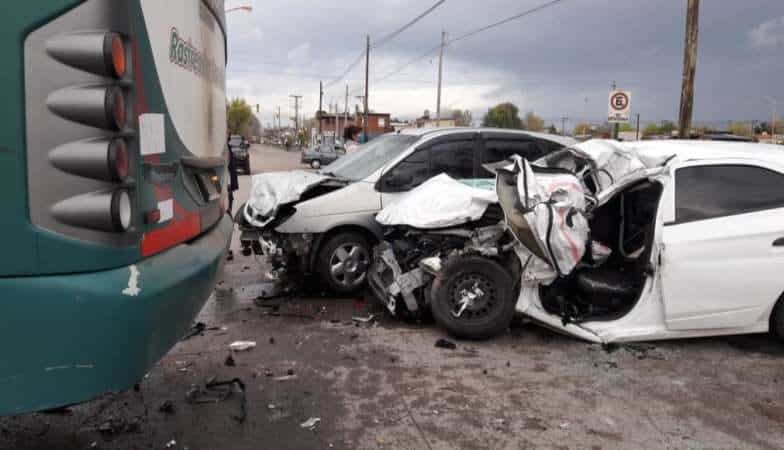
x=440 y=73
x=321 y=104
x=563 y=125
x=689 y=66
x=367 y=87
x=638 y=126
x=296 y=115
x=345 y=113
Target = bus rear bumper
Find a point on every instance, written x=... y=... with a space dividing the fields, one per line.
x=68 y=339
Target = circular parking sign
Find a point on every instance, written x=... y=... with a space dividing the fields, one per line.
x=619 y=101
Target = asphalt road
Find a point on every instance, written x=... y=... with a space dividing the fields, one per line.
x=387 y=385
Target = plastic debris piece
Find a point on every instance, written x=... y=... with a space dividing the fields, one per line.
x=171 y=444
x=446 y=344
x=166 y=407
x=311 y=423
x=242 y=346
x=364 y=320
x=286 y=378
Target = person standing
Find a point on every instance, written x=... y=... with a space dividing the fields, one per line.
x=351 y=138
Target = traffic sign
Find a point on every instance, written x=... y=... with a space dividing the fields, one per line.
x=620 y=106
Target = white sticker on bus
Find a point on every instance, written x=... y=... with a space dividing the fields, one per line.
x=152 y=134
x=166 y=208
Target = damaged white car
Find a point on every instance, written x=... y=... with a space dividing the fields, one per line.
x=324 y=224
x=605 y=241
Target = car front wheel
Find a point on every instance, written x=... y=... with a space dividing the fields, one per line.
x=343 y=262
x=777 y=319
x=473 y=298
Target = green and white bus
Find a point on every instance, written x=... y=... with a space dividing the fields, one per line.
x=112 y=187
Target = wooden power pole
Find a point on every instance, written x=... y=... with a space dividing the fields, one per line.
x=321 y=104
x=689 y=67
x=367 y=86
x=440 y=74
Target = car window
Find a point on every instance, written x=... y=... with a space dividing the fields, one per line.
x=496 y=150
x=368 y=158
x=409 y=173
x=707 y=192
x=455 y=158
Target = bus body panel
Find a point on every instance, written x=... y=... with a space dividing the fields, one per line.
x=91 y=333
x=83 y=312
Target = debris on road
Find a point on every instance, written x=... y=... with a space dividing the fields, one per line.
x=311 y=423
x=230 y=361
x=167 y=407
x=364 y=320
x=218 y=391
x=286 y=378
x=196 y=330
x=171 y=444
x=242 y=346
x=446 y=344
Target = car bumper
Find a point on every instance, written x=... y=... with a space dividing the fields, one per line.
x=70 y=338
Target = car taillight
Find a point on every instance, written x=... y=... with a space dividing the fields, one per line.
x=102 y=106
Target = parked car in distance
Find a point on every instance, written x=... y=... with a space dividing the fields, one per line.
x=650 y=240
x=323 y=154
x=324 y=223
x=239 y=146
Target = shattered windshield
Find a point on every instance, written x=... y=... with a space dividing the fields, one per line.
x=370 y=157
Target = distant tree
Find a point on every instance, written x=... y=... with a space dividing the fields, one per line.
x=504 y=115
x=667 y=127
x=763 y=127
x=626 y=127
x=532 y=122
x=740 y=128
x=652 y=130
x=582 y=129
x=239 y=116
x=552 y=130
x=462 y=118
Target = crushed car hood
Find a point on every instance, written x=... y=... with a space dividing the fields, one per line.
x=440 y=202
x=269 y=191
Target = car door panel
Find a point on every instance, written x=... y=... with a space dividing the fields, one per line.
x=722 y=272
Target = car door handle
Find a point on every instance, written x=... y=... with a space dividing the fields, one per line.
x=779 y=242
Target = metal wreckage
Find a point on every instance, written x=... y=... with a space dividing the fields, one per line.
x=565 y=240
x=585 y=240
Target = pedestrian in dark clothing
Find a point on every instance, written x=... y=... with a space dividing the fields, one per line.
x=234 y=183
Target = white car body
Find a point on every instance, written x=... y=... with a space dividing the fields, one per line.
x=718 y=276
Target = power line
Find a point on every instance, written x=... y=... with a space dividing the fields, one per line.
x=397 y=32
x=381 y=42
x=504 y=21
x=468 y=35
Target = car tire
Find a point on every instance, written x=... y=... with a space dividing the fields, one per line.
x=494 y=311
x=343 y=262
x=777 y=319
x=315 y=164
x=247 y=166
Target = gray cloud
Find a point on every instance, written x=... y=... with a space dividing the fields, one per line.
x=558 y=62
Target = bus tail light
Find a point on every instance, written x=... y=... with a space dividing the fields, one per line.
x=99 y=159
x=97 y=52
x=95 y=106
x=102 y=211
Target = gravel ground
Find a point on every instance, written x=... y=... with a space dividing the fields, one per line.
x=386 y=385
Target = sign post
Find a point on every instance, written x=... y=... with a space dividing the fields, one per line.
x=620 y=109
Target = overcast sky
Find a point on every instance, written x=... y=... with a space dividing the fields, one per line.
x=558 y=62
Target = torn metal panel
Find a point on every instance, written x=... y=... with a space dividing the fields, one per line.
x=440 y=202
x=271 y=190
x=545 y=211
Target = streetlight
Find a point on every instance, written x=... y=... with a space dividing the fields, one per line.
x=247 y=8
